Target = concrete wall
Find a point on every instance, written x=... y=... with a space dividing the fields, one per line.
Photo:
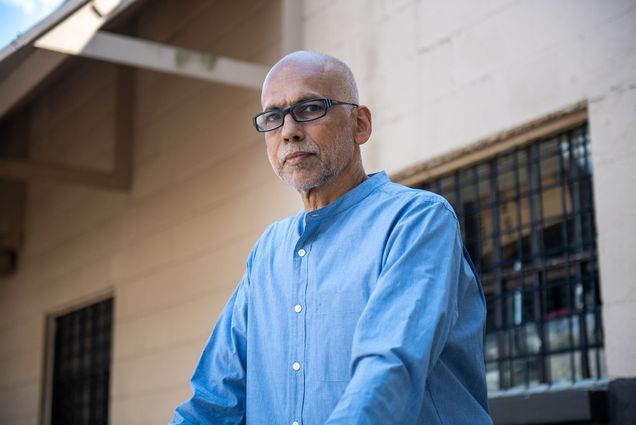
x=439 y=75
x=171 y=250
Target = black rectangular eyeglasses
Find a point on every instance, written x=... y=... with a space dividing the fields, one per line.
x=303 y=111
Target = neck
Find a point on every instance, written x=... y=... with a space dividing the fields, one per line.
x=321 y=196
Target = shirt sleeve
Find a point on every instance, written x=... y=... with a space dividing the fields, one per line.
x=407 y=320
x=218 y=381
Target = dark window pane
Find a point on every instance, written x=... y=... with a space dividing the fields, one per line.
x=81 y=366
x=527 y=218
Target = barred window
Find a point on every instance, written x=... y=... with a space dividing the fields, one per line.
x=527 y=219
x=81 y=366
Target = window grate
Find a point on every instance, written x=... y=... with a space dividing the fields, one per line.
x=81 y=366
x=527 y=219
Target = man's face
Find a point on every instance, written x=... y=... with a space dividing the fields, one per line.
x=307 y=155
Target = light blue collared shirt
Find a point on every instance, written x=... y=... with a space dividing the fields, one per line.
x=366 y=311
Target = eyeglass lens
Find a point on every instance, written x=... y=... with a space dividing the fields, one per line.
x=302 y=111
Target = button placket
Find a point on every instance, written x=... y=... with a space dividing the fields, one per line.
x=298 y=317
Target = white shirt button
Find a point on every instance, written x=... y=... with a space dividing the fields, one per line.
x=298 y=308
x=295 y=423
x=302 y=252
x=296 y=366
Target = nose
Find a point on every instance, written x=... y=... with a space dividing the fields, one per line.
x=291 y=130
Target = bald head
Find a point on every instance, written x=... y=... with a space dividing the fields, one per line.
x=338 y=76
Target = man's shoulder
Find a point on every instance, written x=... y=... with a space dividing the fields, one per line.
x=403 y=196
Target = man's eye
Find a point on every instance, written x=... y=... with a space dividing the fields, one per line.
x=310 y=107
x=273 y=117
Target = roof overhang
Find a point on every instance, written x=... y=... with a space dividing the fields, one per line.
x=75 y=30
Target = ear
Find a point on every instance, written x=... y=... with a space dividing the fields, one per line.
x=362 y=130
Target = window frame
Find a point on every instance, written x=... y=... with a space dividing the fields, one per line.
x=489 y=147
x=46 y=399
x=585 y=405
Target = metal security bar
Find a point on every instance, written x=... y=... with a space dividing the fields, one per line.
x=81 y=366
x=527 y=219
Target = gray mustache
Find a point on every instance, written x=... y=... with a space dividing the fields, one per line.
x=305 y=146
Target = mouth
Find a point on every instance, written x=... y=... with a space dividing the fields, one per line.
x=296 y=157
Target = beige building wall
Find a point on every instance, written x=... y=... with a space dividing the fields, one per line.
x=441 y=75
x=438 y=76
x=172 y=248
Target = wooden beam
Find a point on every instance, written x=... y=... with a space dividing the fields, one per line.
x=73 y=34
x=125 y=50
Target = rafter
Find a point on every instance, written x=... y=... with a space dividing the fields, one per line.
x=144 y=54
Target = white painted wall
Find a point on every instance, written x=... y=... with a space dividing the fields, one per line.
x=439 y=75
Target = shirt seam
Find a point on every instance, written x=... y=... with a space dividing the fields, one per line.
x=415 y=193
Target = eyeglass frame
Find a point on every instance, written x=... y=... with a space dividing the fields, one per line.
x=328 y=104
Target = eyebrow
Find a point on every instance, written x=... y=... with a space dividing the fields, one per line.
x=280 y=108
x=272 y=108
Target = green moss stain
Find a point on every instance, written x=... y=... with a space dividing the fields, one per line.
x=183 y=57
x=209 y=61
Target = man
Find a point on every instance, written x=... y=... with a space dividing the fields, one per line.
x=362 y=309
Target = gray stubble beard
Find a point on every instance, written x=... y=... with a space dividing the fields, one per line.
x=325 y=176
